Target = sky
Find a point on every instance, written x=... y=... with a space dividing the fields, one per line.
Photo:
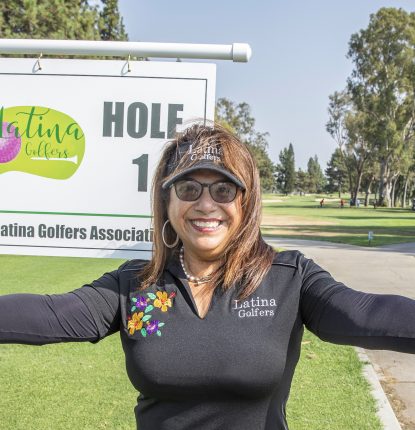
x=298 y=57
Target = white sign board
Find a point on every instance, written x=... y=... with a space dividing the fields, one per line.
x=79 y=142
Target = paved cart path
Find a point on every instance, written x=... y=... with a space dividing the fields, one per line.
x=388 y=269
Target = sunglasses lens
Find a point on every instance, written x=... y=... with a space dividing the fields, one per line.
x=188 y=191
x=223 y=192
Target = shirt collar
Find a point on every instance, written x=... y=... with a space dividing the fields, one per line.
x=175 y=268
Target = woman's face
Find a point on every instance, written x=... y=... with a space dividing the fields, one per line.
x=205 y=226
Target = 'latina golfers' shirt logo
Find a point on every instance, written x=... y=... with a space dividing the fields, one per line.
x=255 y=307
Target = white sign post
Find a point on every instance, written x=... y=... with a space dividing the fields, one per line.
x=78 y=145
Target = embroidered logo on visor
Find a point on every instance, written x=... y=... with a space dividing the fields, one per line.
x=209 y=153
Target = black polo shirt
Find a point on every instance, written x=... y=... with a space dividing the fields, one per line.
x=231 y=370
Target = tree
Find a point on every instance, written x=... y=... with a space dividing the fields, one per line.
x=409 y=181
x=238 y=119
x=370 y=180
x=111 y=24
x=286 y=170
x=316 y=179
x=301 y=181
x=60 y=19
x=382 y=86
x=339 y=107
x=358 y=148
x=352 y=131
x=336 y=173
x=404 y=171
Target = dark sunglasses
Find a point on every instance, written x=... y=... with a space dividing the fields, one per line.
x=190 y=190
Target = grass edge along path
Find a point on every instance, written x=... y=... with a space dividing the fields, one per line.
x=85 y=386
x=301 y=217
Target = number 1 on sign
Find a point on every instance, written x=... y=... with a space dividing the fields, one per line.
x=142 y=163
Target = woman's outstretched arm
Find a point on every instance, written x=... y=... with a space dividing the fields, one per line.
x=339 y=314
x=40 y=319
x=86 y=314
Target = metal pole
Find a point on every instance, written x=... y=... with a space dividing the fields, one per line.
x=238 y=52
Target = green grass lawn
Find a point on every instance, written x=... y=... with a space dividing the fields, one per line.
x=84 y=386
x=302 y=218
x=65 y=386
x=328 y=391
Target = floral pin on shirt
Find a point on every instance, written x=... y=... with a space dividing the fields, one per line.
x=141 y=320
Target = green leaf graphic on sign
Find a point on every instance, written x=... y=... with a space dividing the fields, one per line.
x=40 y=141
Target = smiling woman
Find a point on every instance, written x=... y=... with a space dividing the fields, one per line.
x=207 y=201
x=211 y=327
x=204 y=226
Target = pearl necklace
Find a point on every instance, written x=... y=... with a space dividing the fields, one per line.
x=189 y=277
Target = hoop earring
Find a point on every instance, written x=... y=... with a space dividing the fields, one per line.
x=164 y=240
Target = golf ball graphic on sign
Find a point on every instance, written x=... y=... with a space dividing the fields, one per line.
x=40 y=141
x=9 y=144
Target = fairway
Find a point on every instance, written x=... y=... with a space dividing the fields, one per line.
x=85 y=386
x=303 y=218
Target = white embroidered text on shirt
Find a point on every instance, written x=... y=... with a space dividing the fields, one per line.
x=255 y=307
